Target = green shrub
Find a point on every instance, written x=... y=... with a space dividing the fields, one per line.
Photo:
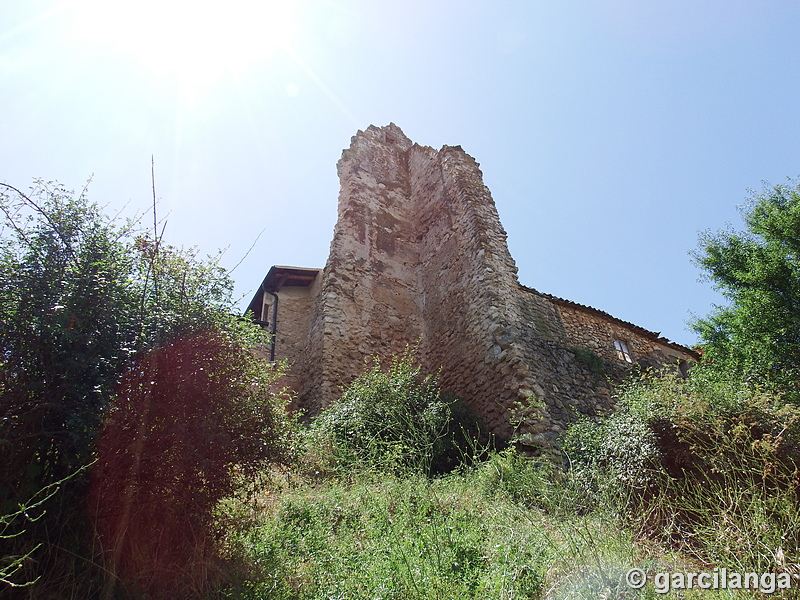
x=117 y=351
x=395 y=420
x=619 y=454
x=707 y=463
x=522 y=479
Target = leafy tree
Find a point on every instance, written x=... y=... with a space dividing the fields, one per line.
x=65 y=306
x=757 y=336
x=99 y=322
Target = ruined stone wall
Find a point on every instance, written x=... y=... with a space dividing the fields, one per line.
x=595 y=331
x=468 y=279
x=419 y=254
x=368 y=303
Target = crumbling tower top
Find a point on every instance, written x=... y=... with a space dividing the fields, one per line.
x=419 y=256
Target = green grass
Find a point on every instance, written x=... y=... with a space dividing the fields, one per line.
x=466 y=535
x=686 y=477
x=507 y=528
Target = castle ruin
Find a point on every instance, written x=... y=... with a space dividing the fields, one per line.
x=419 y=256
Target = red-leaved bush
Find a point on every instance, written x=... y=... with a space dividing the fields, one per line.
x=188 y=422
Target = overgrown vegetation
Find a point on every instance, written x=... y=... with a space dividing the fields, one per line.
x=706 y=465
x=689 y=475
x=188 y=422
x=110 y=334
x=147 y=454
x=395 y=420
x=464 y=535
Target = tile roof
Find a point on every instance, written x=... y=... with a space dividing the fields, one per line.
x=646 y=333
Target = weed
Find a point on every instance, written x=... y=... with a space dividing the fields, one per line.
x=393 y=420
x=596 y=365
x=707 y=466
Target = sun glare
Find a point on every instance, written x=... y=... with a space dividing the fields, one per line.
x=195 y=41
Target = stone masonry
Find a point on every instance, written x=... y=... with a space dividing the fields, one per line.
x=419 y=255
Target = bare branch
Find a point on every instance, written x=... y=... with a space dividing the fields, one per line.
x=246 y=254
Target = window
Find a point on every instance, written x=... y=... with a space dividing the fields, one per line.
x=683 y=368
x=622 y=351
x=265 y=308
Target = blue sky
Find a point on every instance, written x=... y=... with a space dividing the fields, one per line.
x=610 y=132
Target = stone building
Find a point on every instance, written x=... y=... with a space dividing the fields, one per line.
x=419 y=255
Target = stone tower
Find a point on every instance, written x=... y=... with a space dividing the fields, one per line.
x=419 y=255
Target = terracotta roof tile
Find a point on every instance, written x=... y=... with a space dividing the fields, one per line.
x=651 y=335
